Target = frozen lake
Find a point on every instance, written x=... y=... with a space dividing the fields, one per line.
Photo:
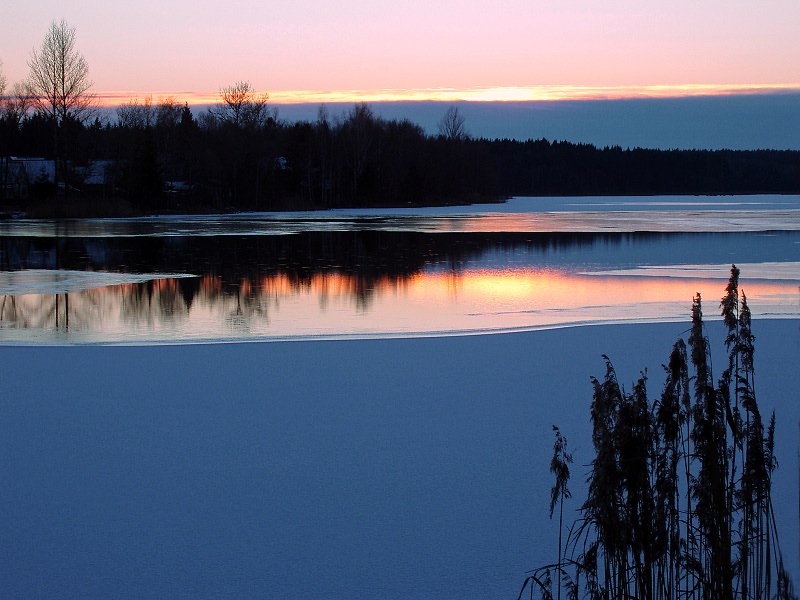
x=411 y=468
x=531 y=263
x=407 y=469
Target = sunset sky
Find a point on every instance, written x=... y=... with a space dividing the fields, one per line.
x=505 y=49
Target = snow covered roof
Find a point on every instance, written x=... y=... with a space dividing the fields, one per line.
x=96 y=172
x=36 y=169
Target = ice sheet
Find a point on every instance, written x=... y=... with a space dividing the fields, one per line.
x=45 y=281
x=524 y=214
x=779 y=271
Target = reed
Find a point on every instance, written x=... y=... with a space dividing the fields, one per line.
x=679 y=502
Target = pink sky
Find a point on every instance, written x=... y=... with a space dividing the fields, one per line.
x=182 y=47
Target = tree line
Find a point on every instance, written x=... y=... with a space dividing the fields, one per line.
x=238 y=153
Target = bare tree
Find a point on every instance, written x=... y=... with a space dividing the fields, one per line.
x=241 y=105
x=360 y=131
x=59 y=83
x=324 y=139
x=2 y=79
x=15 y=106
x=168 y=112
x=451 y=126
x=136 y=115
x=59 y=76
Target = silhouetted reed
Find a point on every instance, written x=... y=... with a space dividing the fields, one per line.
x=679 y=500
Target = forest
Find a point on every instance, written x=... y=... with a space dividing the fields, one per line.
x=162 y=157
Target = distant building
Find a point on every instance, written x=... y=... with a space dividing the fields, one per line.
x=177 y=187
x=23 y=178
x=97 y=172
x=95 y=178
x=20 y=177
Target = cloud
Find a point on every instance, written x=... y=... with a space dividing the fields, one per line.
x=541 y=93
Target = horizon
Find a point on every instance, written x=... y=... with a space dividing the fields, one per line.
x=733 y=121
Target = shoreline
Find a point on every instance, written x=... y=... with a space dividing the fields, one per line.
x=124 y=210
x=359 y=337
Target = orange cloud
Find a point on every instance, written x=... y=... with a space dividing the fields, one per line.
x=542 y=93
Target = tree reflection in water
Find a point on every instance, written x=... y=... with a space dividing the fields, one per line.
x=269 y=285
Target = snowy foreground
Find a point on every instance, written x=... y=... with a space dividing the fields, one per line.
x=407 y=468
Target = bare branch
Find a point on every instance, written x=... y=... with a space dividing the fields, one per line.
x=14 y=107
x=2 y=79
x=59 y=76
x=241 y=105
x=451 y=126
x=136 y=115
x=168 y=112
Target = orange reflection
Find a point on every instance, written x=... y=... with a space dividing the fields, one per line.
x=653 y=221
x=334 y=304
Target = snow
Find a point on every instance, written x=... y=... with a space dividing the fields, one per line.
x=405 y=468
x=51 y=281
x=767 y=270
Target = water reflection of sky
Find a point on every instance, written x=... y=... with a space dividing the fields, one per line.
x=325 y=305
x=129 y=284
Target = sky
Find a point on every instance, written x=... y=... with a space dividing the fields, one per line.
x=314 y=51
x=325 y=46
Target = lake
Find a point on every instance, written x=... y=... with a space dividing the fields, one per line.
x=529 y=264
x=142 y=458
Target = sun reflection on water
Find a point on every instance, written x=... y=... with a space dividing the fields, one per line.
x=331 y=304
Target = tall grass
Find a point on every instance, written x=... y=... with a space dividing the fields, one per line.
x=679 y=501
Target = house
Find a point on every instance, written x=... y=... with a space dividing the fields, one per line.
x=21 y=178
x=96 y=177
